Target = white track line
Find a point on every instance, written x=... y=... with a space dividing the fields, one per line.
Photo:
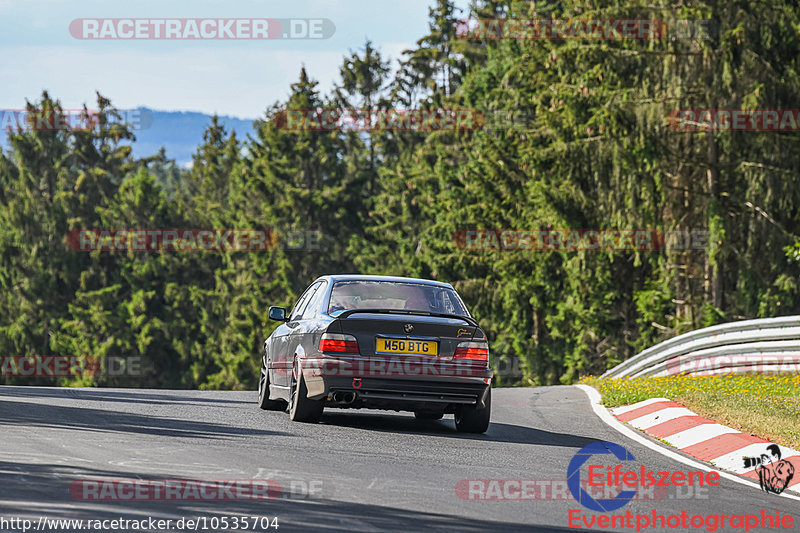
x=608 y=418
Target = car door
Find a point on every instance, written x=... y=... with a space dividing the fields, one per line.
x=299 y=323
x=308 y=331
x=283 y=353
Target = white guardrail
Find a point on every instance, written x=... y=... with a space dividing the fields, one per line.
x=769 y=345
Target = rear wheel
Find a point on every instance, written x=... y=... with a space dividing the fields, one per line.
x=301 y=408
x=263 y=392
x=428 y=415
x=473 y=419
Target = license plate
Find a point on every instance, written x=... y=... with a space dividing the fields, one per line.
x=406 y=346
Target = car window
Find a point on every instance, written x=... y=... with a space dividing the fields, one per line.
x=299 y=307
x=347 y=295
x=314 y=300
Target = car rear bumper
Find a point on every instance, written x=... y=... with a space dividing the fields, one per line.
x=412 y=385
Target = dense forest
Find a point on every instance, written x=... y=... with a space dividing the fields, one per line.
x=589 y=145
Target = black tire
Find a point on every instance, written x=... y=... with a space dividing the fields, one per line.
x=263 y=392
x=301 y=408
x=472 y=419
x=427 y=415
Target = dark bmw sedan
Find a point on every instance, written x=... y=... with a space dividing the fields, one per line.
x=378 y=342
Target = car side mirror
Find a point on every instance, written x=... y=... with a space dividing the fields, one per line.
x=277 y=313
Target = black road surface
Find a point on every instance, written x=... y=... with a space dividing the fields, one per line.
x=365 y=470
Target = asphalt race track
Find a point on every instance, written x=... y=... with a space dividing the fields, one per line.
x=367 y=470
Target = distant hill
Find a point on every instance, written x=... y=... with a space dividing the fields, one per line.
x=179 y=132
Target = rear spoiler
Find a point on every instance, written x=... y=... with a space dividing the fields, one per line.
x=469 y=320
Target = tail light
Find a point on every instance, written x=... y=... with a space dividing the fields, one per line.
x=477 y=351
x=338 y=343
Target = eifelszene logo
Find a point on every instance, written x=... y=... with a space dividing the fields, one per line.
x=610 y=478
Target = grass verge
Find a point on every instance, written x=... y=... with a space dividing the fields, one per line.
x=762 y=405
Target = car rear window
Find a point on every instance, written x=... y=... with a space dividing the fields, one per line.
x=347 y=295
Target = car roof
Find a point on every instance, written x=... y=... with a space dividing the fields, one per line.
x=364 y=277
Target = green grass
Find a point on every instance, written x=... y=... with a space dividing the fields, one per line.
x=762 y=405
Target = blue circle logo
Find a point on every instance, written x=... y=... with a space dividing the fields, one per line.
x=574 y=477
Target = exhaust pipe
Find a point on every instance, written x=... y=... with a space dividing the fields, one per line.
x=344 y=398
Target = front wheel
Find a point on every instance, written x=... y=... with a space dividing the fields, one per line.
x=473 y=419
x=263 y=392
x=301 y=408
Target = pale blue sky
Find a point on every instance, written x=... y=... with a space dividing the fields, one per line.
x=239 y=78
